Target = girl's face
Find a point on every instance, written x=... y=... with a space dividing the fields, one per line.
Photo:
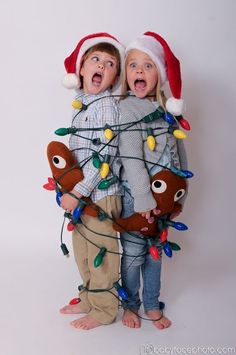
x=141 y=74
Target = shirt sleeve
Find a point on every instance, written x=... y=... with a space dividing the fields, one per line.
x=105 y=113
x=131 y=146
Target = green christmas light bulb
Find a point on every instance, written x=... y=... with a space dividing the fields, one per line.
x=65 y=131
x=96 y=160
x=99 y=258
x=174 y=246
x=105 y=184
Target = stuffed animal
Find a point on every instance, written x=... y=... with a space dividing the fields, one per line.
x=66 y=173
x=167 y=189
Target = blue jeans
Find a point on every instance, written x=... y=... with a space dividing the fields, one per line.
x=136 y=259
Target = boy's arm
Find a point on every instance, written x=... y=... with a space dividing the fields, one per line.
x=106 y=113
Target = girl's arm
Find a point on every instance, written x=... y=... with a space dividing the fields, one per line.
x=131 y=147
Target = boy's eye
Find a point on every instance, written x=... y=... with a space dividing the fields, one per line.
x=95 y=58
x=110 y=63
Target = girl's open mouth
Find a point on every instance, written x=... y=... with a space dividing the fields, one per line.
x=140 y=84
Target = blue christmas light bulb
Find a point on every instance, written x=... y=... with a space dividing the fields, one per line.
x=178 y=172
x=77 y=212
x=58 y=198
x=168 y=117
x=121 y=291
x=177 y=225
x=180 y=226
x=188 y=174
x=167 y=249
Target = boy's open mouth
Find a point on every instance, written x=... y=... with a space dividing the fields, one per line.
x=140 y=84
x=97 y=78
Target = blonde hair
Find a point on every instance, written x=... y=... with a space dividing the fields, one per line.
x=160 y=95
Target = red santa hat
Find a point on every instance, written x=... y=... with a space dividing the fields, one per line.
x=73 y=62
x=168 y=66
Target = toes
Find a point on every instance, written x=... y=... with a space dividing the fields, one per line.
x=64 y=309
x=159 y=325
x=78 y=324
x=163 y=323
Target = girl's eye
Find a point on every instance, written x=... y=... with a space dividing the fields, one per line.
x=95 y=58
x=59 y=162
x=148 y=66
x=132 y=65
x=159 y=186
x=180 y=193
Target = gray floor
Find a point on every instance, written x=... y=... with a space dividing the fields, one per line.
x=198 y=293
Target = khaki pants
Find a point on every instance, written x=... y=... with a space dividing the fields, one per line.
x=102 y=306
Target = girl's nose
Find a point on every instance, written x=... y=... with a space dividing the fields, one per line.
x=139 y=70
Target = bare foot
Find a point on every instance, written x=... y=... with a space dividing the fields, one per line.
x=86 y=323
x=160 y=324
x=71 y=309
x=130 y=319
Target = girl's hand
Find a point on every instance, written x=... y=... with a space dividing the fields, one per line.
x=147 y=214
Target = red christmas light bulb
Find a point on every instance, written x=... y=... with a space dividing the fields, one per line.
x=184 y=124
x=154 y=252
x=50 y=185
x=70 y=227
x=74 y=301
x=163 y=235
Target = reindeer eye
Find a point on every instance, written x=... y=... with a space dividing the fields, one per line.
x=159 y=186
x=59 y=162
x=180 y=193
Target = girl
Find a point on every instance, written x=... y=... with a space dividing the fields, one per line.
x=147 y=62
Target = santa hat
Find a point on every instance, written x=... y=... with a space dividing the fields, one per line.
x=73 y=62
x=168 y=66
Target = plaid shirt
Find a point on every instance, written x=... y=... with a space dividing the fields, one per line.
x=102 y=110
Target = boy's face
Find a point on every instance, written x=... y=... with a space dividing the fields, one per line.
x=141 y=73
x=99 y=72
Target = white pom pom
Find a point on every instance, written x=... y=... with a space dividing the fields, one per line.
x=175 y=106
x=71 y=81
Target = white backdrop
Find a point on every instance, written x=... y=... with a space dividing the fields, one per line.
x=36 y=280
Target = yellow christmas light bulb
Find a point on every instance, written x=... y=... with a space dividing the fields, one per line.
x=151 y=142
x=76 y=104
x=108 y=133
x=179 y=134
x=104 y=170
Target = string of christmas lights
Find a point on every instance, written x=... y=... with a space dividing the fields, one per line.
x=102 y=163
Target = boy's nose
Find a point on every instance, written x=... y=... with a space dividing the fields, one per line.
x=101 y=66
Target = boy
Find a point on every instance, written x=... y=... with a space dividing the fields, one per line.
x=94 y=67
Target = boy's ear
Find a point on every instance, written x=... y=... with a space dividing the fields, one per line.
x=82 y=70
x=117 y=78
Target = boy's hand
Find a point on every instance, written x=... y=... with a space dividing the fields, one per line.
x=68 y=202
